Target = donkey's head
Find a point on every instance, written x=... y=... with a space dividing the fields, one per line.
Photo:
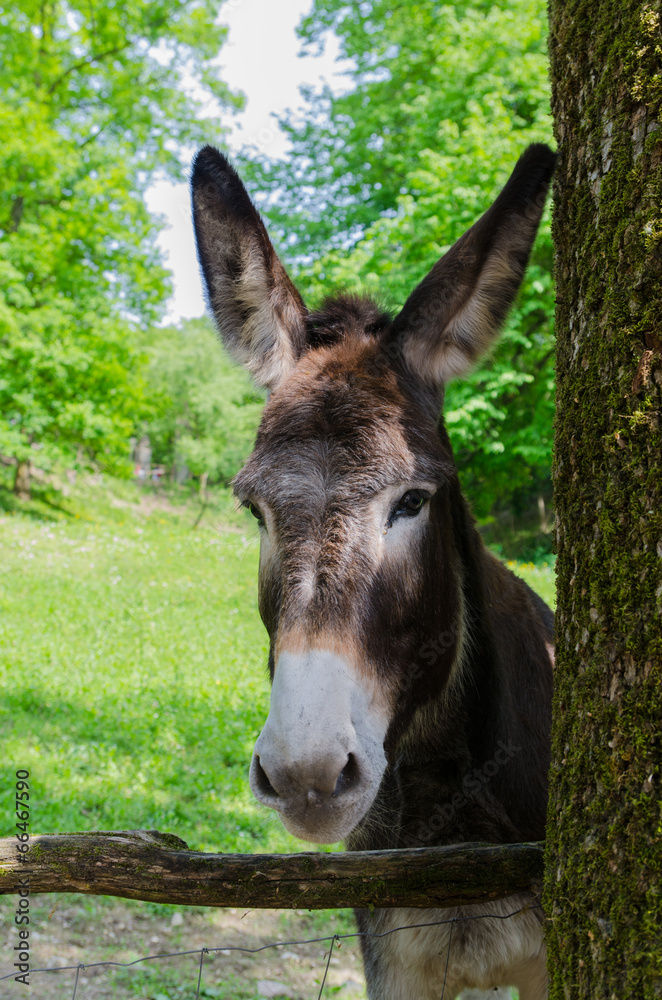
x=353 y=486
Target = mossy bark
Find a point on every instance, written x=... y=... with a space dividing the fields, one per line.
x=146 y=864
x=603 y=893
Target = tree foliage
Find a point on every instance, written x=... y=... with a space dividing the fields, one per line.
x=383 y=178
x=207 y=410
x=95 y=101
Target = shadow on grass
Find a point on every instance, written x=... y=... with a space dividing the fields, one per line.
x=45 y=503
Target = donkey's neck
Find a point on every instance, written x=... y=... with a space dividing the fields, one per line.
x=472 y=763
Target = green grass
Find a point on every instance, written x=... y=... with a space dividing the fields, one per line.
x=132 y=665
x=541 y=577
x=132 y=668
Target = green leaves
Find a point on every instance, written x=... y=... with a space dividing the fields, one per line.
x=95 y=101
x=207 y=409
x=68 y=392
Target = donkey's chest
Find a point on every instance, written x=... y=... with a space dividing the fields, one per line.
x=424 y=951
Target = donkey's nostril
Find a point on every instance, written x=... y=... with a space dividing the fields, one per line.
x=262 y=781
x=348 y=777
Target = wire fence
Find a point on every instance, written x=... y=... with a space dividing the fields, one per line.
x=332 y=940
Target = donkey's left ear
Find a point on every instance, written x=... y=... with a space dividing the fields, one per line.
x=259 y=313
x=455 y=313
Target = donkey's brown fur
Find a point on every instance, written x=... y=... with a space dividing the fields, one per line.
x=411 y=670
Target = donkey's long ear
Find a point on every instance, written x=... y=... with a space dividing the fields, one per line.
x=451 y=318
x=259 y=312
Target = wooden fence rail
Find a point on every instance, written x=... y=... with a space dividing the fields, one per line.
x=148 y=865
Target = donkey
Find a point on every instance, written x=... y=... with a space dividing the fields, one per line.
x=411 y=671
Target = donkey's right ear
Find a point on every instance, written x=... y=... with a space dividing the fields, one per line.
x=259 y=313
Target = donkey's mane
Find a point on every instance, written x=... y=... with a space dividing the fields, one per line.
x=346 y=317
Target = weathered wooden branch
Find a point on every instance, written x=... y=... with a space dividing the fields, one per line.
x=145 y=864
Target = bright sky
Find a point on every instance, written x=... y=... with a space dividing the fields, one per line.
x=261 y=59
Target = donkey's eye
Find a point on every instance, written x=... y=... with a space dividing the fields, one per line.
x=255 y=511
x=410 y=505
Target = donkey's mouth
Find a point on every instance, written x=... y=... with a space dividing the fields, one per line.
x=325 y=825
x=315 y=814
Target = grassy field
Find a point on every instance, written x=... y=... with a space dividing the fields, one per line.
x=540 y=577
x=132 y=672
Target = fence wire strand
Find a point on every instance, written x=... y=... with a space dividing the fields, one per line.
x=76 y=981
x=448 y=955
x=328 y=963
x=333 y=941
x=203 y=952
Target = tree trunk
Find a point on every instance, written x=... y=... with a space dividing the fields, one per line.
x=603 y=891
x=22 y=480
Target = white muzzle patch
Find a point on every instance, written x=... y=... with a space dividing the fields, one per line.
x=320 y=758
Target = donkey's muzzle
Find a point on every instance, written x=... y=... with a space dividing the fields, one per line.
x=320 y=757
x=314 y=805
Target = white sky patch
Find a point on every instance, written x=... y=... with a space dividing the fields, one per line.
x=260 y=58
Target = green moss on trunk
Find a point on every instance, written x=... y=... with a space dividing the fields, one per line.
x=604 y=850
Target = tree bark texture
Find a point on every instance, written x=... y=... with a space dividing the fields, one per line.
x=22 y=480
x=145 y=864
x=603 y=892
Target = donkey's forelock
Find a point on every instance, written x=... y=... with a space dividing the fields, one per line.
x=346 y=317
x=348 y=417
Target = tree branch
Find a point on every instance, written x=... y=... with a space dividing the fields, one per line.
x=95 y=135
x=96 y=57
x=16 y=213
x=148 y=865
